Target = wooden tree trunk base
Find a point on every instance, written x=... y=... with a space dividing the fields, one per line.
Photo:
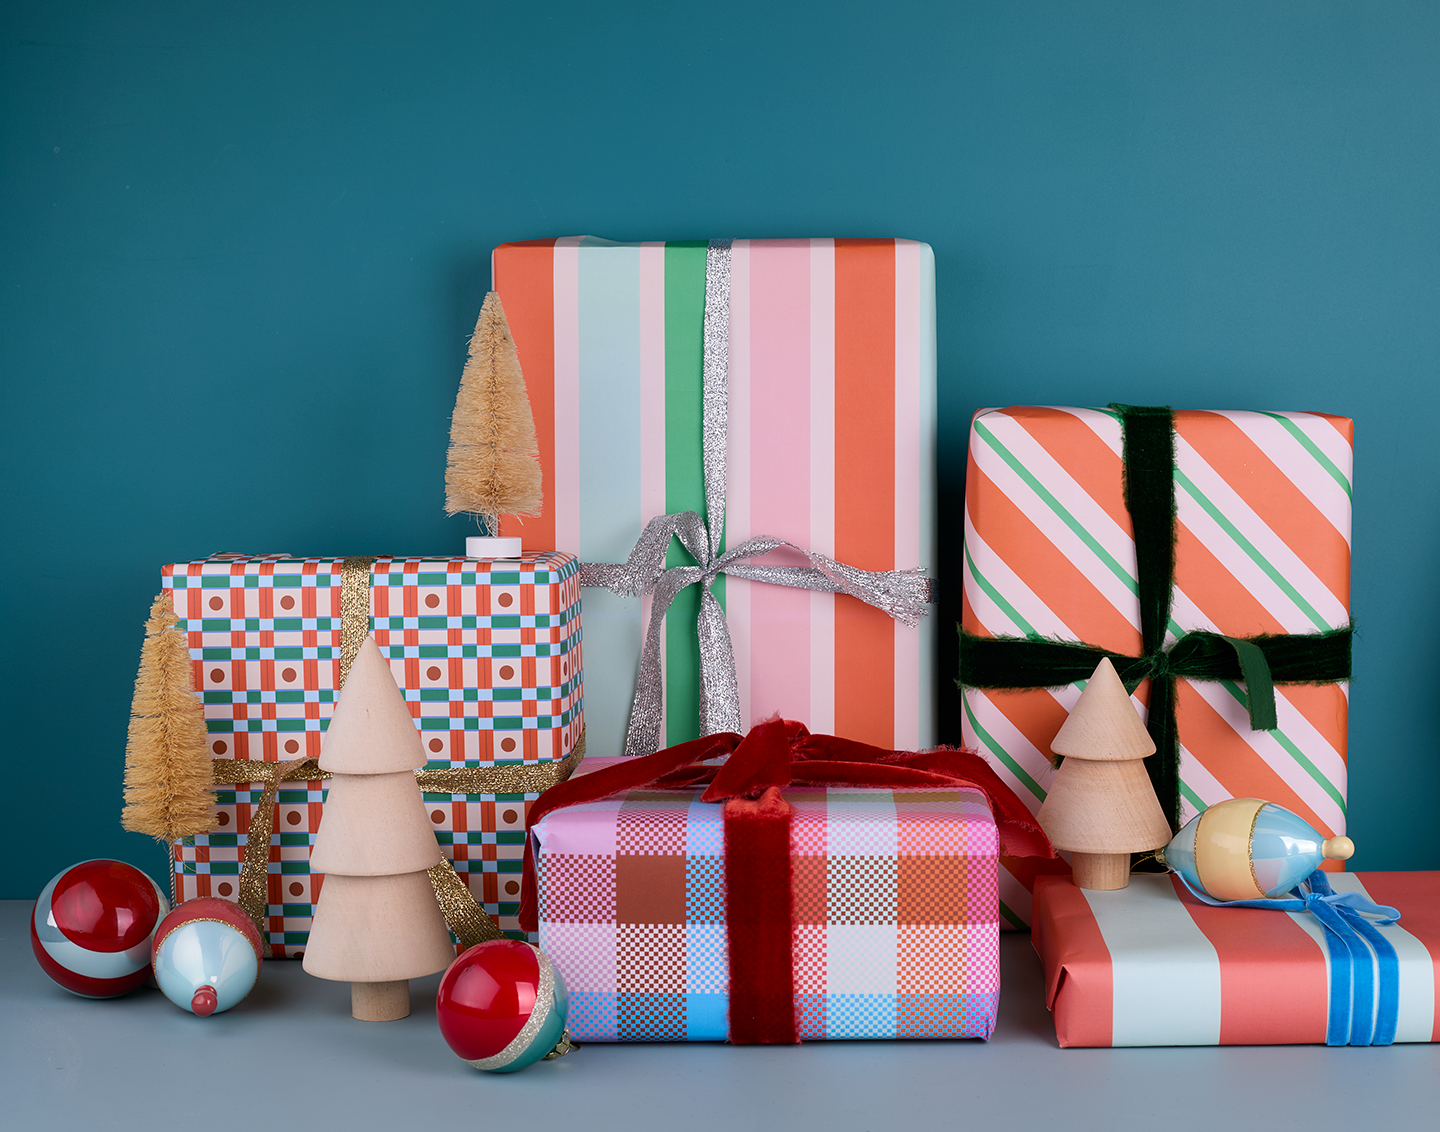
x=1102 y=871
x=380 y=1002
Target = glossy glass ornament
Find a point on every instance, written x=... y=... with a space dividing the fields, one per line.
x=91 y=927
x=1249 y=849
x=207 y=955
x=502 y=1006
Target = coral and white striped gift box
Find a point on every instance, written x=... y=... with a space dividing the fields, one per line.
x=1262 y=546
x=831 y=447
x=1149 y=965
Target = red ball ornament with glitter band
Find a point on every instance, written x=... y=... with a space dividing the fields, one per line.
x=92 y=925
x=502 y=1006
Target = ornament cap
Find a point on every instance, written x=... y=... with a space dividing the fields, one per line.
x=1338 y=848
x=203 y=1002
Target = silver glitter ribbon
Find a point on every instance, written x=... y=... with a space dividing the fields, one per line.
x=903 y=594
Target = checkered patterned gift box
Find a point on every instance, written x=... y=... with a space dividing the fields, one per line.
x=487 y=654
x=895 y=911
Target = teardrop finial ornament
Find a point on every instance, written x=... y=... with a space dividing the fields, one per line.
x=1250 y=849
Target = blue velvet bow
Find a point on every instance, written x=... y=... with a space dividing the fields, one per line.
x=1361 y=1014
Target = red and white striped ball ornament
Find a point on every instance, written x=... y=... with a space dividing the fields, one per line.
x=502 y=1006
x=92 y=925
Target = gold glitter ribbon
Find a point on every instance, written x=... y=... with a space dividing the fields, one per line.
x=470 y=923
x=354 y=609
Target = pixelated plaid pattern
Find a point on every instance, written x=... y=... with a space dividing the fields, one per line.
x=896 y=913
x=488 y=655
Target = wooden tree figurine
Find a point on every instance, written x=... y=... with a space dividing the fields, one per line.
x=168 y=787
x=1101 y=806
x=493 y=467
x=377 y=924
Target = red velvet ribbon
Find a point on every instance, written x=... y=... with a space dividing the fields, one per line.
x=758 y=882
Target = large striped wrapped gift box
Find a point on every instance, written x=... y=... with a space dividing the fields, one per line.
x=486 y=653
x=1262 y=546
x=831 y=447
x=1149 y=965
x=895 y=934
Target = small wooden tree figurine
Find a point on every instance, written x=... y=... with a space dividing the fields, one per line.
x=377 y=924
x=1101 y=806
x=493 y=467
x=168 y=787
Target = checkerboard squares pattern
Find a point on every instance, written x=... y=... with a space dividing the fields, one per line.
x=576 y=889
x=899 y=942
x=488 y=655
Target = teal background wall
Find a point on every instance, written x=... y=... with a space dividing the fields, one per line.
x=242 y=246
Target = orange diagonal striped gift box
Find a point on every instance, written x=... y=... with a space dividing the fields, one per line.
x=1262 y=546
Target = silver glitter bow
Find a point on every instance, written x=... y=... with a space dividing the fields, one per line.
x=903 y=594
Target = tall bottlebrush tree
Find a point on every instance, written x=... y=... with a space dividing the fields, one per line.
x=493 y=467
x=168 y=788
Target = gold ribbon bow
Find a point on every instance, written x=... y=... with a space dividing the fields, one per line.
x=470 y=923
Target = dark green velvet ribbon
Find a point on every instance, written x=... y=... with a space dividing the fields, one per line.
x=1260 y=662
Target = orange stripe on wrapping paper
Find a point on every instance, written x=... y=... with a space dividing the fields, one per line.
x=1236 y=765
x=864 y=482
x=1040 y=565
x=1273 y=989
x=1081 y=997
x=1417 y=895
x=1216 y=592
x=1035 y=713
x=524 y=276
x=1076 y=448
x=1325 y=707
x=1271 y=494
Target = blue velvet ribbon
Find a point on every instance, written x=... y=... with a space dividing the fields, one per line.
x=1361 y=1014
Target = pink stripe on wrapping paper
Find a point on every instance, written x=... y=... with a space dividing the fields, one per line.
x=652 y=406
x=567 y=394
x=737 y=508
x=780 y=430
x=908 y=450
x=822 y=479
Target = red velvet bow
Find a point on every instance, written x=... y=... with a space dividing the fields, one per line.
x=775 y=753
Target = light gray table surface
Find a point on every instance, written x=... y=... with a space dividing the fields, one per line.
x=291 y=1058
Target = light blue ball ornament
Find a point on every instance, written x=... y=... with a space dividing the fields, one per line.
x=207 y=955
x=1249 y=849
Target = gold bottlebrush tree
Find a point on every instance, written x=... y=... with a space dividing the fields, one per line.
x=168 y=787
x=493 y=467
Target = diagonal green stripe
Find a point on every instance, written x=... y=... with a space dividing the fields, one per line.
x=1292 y=749
x=1056 y=506
x=1004 y=756
x=1255 y=556
x=1311 y=447
x=994 y=595
x=1013 y=918
x=1190 y=796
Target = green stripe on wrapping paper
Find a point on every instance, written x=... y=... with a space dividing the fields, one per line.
x=1255 y=556
x=995 y=595
x=1015 y=921
x=1056 y=506
x=1003 y=755
x=684 y=475
x=1190 y=796
x=1292 y=748
x=1314 y=449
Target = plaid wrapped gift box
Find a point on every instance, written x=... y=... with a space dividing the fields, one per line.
x=895 y=932
x=487 y=654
